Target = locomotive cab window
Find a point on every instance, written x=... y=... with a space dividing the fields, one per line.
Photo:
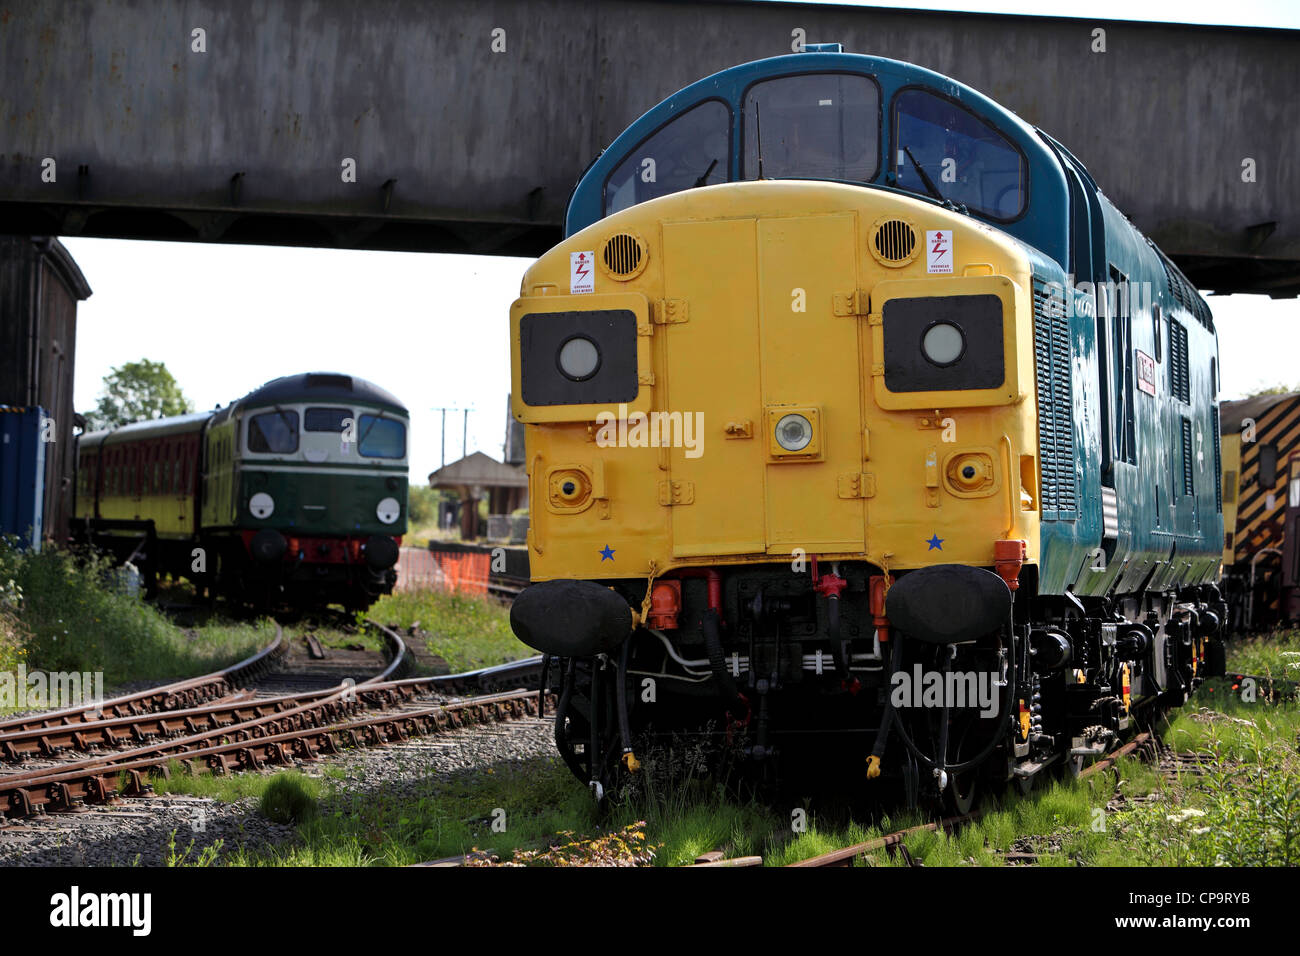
x=325 y=419
x=943 y=151
x=274 y=432
x=380 y=437
x=812 y=126
x=693 y=149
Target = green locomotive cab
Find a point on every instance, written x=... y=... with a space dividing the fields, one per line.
x=305 y=490
x=296 y=494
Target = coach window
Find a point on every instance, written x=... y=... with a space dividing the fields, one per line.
x=943 y=151
x=812 y=126
x=380 y=437
x=692 y=149
x=274 y=432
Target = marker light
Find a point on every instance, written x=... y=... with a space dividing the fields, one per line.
x=793 y=432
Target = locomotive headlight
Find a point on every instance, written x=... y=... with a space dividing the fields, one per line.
x=794 y=432
x=261 y=505
x=943 y=343
x=388 y=510
x=578 y=358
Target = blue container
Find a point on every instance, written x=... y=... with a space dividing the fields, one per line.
x=22 y=474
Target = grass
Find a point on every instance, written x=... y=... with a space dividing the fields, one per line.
x=224 y=787
x=468 y=632
x=510 y=806
x=64 y=615
x=1275 y=654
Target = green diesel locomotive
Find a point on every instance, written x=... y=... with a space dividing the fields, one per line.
x=294 y=495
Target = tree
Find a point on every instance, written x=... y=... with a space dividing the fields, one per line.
x=135 y=392
x=1273 y=390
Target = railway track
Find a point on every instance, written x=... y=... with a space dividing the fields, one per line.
x=233 y=729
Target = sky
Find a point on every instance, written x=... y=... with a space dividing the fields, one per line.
x=432 y=329
x=1246 y=13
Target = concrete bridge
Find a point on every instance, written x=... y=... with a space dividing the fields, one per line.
x=451 y=127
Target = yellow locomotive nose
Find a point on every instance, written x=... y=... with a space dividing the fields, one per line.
x=850 y=405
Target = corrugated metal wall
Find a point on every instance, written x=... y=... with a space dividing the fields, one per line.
x=40 y=286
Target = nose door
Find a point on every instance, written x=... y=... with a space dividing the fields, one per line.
x=811 y=370
x=713 y=380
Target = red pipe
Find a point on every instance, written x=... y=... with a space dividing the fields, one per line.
x=715 y=584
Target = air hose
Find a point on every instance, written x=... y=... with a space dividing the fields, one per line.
x=979 y=758
x=717 y=662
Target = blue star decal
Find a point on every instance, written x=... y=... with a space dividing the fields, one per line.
x=607 y=553
x=935 y=543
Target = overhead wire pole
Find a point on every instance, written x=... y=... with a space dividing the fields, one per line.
x=464 y=438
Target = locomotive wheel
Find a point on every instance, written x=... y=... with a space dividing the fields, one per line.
x=1025 y=785
x=962 y=792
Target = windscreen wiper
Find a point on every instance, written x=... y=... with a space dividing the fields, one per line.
x=930 y=187
x=703 y=180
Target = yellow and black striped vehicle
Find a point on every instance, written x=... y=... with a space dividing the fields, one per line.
x=295 y=494
x=1261 y=510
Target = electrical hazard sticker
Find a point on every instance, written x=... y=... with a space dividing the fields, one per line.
x=938 y=250
x=582 y=277
x=1146 y=372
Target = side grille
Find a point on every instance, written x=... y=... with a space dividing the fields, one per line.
x=1060 y=496
x=1109 y=513
x=895 y=242
x=1178 y=378
x=1218 y=466
x=623 y=256
x=1187 y=456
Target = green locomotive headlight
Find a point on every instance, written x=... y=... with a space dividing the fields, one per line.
x=388 y=510
x=261 y=505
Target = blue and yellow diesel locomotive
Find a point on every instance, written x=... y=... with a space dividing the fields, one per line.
x=856 y=412
x=294 y=495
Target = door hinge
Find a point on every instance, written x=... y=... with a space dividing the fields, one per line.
x=852 y=303
x=676 y=493
x=857 y=485
x=670 y=311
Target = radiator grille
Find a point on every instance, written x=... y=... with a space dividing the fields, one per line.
x=1218 y=466
x=623 y=256
x=1178 y=378
x=1187 y=456
x=895 y=241
x=1055 y=404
